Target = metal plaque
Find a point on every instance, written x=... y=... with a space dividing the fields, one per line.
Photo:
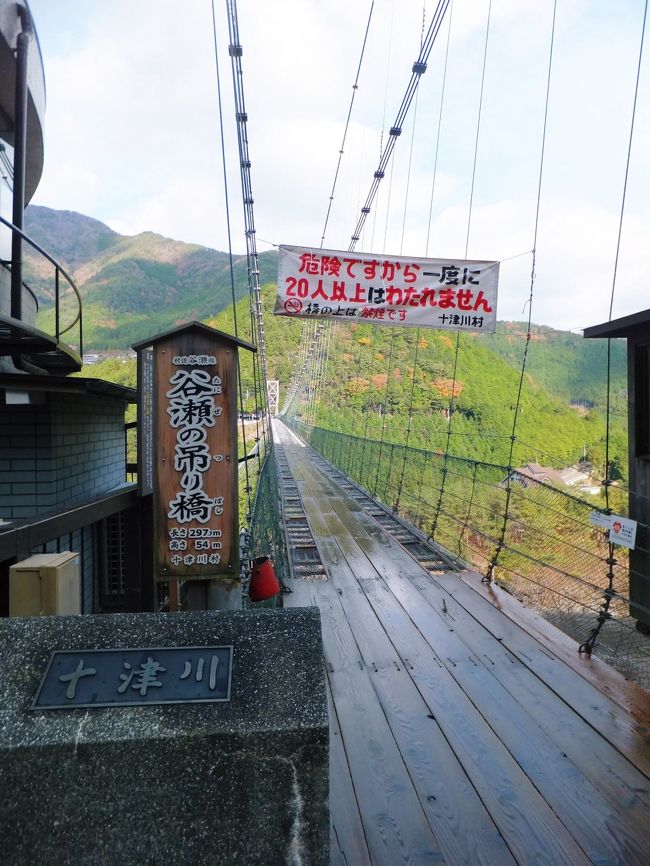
x=135 y=677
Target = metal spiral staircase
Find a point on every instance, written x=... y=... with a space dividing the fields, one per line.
x=32 y=349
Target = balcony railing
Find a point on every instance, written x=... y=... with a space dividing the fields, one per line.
x=43 y=349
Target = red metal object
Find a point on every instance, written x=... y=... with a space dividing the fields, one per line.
x=264 y=582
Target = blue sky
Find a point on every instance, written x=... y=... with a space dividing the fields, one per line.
x=132 y=133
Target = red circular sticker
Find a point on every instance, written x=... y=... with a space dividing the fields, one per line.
x=293 y=305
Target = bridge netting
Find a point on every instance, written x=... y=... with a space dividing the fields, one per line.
x=552 y=558
x=533 y=539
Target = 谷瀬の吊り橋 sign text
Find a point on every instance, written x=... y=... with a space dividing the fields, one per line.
x=195 y=512
x=193 y=444
x=192 y=410
x=446 y=294
x=193 y=413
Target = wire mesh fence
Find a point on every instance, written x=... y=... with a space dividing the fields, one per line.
x=533 y=539
x=266 y=532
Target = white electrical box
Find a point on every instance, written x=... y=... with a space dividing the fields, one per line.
x=46 y=584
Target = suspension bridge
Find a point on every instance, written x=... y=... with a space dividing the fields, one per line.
x=486 y=681
x=483 y=631
x=464 y=729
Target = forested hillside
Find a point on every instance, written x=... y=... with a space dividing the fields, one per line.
x=370 y=388
x=135 y=287
x=132 y=286
x=565 y=364
x=360 y=397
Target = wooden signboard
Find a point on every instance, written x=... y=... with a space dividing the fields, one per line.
x=196 y=531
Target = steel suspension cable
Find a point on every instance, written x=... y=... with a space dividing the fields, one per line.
x=236 y=52
x=325 y=362
x=355 y=87
x=392 y=337
x=301 y=385
x=322 y=334
x=609 y=593
x=408 y=175
x=418 y=69
x=367 y=413
x=385 y=407
x=409 y=423
x=506 y=512
x=327 y=327
x=256 y=385
x=478 y=128
x=295 y=378
x=445 y=461
x=417 y=333
x=230 y=258
x=316 y=373
x=437 y=148
x=469 y=221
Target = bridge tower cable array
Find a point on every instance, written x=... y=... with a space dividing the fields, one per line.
x=310 y=338
x=236 y=52
x=452 y=396
x=418 y=69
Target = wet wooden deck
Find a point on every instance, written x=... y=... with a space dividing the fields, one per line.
x=464 y=730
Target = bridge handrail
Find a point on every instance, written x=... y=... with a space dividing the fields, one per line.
x=58 y=269
x=551 y=556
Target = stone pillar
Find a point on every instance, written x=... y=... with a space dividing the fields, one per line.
x=239 y=776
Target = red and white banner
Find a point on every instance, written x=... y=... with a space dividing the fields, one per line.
x=447 y=294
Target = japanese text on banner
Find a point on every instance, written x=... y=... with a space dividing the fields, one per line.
x=445 y=294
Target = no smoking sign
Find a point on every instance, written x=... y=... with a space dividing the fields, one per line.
x=293 y=306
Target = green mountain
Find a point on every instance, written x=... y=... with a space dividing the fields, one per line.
x=371 y=390
x=364 y=395
x=135 y=287
x=566 y=364
x=131 y=286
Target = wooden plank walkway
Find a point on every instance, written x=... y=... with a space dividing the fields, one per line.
x=457 y=737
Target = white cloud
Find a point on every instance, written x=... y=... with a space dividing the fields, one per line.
x=132 y=132
x=574 y=263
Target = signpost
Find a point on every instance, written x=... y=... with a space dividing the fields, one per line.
x=194 y=458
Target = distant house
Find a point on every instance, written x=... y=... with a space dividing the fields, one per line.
x=531 y=472
x=572 y=476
